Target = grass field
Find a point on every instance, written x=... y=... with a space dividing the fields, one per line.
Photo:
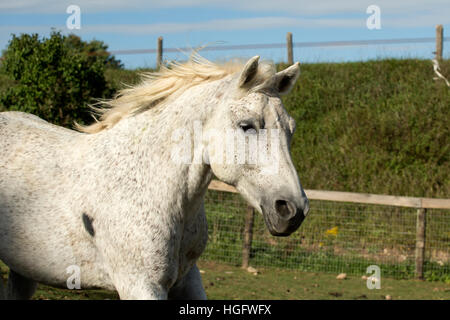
x=223 y=281
x=335 y=238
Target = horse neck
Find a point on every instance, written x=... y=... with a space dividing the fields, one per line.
x=145 y=140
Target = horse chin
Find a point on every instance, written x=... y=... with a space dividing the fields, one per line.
x=278 y=234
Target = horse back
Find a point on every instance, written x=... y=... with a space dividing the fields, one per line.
x=24 y=135
x=36 y=228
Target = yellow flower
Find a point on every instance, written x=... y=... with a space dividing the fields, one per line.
x=333 y=231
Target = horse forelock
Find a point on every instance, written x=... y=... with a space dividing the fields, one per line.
x=156 y=87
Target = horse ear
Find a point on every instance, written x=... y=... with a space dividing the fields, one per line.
x=285 y=80
x=249 y=72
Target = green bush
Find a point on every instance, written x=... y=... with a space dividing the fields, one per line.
x=56 y=77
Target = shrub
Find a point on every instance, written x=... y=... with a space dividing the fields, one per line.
x=56 y=77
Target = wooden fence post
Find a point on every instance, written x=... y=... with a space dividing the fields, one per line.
x=439 y=41
x=159 y=53
x=420 y=241
x=290 y=51
x=248 y=236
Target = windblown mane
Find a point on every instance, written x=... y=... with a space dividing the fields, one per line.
x=155 y=88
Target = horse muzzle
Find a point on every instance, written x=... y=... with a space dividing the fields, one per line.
x=283 y=217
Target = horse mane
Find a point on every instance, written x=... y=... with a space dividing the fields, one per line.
x=157 y=87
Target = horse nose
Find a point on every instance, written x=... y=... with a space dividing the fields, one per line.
x=287 y=209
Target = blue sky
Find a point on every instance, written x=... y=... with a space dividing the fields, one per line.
x=136 y=24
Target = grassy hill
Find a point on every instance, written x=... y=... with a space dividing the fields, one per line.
x=378 y=126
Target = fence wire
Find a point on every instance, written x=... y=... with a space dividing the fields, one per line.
x=335 y=237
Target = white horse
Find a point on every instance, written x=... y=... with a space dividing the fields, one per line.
x=113 y=200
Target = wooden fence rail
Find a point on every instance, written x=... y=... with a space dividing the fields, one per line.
x=364 y=198
x=422 y=204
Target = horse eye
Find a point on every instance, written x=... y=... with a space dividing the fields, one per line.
x=246 y=127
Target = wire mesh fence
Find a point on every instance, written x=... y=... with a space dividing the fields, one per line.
x=335 y=237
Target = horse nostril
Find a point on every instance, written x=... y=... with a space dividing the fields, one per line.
x=284 y=208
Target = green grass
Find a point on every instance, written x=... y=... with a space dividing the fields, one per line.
x=365 y=235
x=377 y=127
x=229 y=282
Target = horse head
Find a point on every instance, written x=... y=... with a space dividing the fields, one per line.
x=253 y=154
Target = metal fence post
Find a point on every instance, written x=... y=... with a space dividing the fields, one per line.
x=420 y=241
x=290 y=51
x=248 y=236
